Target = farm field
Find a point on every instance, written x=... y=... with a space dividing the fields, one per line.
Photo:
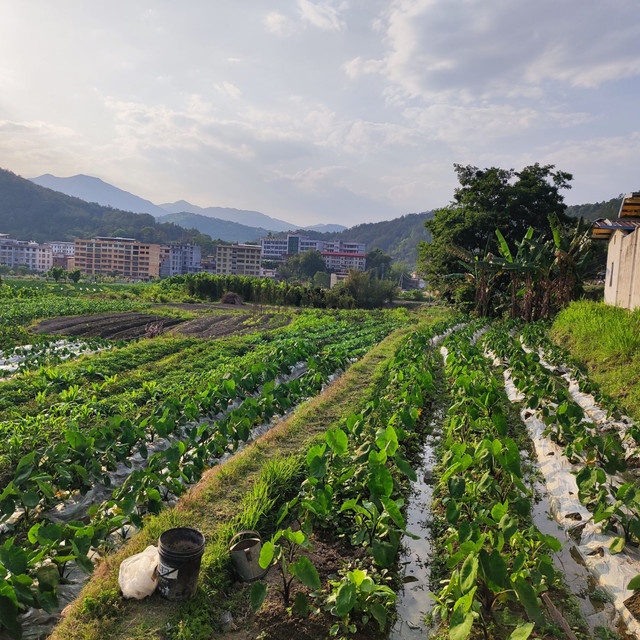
x=240 y=422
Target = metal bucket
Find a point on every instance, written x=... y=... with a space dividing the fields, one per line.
x=180 y=553
x=245 y=549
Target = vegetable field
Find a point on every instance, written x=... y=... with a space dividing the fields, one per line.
x=310 y=433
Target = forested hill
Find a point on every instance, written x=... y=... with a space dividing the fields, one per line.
x=398 y=238
x=608 y=209
x=31 y=212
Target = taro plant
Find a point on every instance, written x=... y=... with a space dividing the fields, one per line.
x=284 y=551
x=359 y=593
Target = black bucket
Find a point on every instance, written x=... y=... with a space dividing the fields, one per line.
x=180 y=551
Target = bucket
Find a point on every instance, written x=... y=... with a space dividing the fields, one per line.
x=180 y=552
x=245 y=548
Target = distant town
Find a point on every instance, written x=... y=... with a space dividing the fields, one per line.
x=130 y=259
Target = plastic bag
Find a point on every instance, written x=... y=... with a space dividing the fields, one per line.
x=138 y=576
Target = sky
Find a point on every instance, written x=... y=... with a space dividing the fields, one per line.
x=320 y=111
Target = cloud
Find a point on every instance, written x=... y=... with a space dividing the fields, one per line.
x=228 y=89
x=322 y=15
x=476 y=49
x=278 y=24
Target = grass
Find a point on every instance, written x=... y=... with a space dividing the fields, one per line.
x=606 y=340
x=242 y=494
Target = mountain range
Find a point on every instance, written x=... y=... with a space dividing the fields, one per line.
x=31 y=211
x=91 y=189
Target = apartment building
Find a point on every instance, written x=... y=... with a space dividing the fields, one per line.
x=180 y=258
x=124 y=257
x=279 y=248
x=32 y=255
x=342 y=262
x=238 y=259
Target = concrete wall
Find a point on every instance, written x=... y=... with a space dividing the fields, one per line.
x=622 y=281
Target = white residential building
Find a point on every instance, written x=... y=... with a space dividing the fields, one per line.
x=32 y=255
x=238 y=259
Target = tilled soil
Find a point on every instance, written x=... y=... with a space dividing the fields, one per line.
x=128 y=326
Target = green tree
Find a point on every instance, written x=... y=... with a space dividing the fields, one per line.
x=56 y=273
x=310 y=263
x=486 y=200
x=322 y=279
x=378 y=264
x=75 y=275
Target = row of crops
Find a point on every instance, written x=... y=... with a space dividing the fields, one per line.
x=497 y=569
x=92 y=446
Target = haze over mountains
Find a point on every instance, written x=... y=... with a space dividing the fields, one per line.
x=34 y=212
x=91 y=189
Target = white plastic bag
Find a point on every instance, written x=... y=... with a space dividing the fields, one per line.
x=138 y=576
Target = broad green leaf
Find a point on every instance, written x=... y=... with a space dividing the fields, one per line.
x=338 y=441
x=634 y=583
x=527 y=596
x=14 y=558
x=384 y=553
x=405 y=467
x=9 y=614
x=345 y=598
x=460 y=624
x=24 y=468
x=394 y=511
x=379 y=612
x=304 y=570
x=522 y=632
x=453 y=513
x=380 y=481
x=301 y=604
x=266 y=554
x=617 y=545
x=499 y=510
x=494 y=567
x=457 y=486
x=258 y=594
x=469 y=573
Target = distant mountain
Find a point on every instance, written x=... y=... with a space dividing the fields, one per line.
x=31 y=212
x=241 y=216
x=324 y=228
x=92 y=189
x=605 y=209
x=216 y=228
x=398 y=238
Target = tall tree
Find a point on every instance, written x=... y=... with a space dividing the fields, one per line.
x=490 y=199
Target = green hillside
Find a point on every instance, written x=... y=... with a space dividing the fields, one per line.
x=31 y=212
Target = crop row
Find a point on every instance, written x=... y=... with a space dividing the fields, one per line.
x=355 y=482
x=497 y=562
x=602 y=455
x=175 y=445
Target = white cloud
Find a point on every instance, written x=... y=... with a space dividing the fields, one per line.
x=323 y=15
x=228 y=89
x=278 y=24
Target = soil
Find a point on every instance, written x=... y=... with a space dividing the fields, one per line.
x=275 y=621
x=128 y=326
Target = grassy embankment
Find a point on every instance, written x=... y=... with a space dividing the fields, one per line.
x=242 y=494
x=606 y=340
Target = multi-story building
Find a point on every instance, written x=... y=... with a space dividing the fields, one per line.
x=280 y=248
x=32 y=255
x=180 y=258
x=274 y=248
x=238 y=259
x=342 y=262
x=125 y=257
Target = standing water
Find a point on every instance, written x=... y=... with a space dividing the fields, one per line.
x=414 y=600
